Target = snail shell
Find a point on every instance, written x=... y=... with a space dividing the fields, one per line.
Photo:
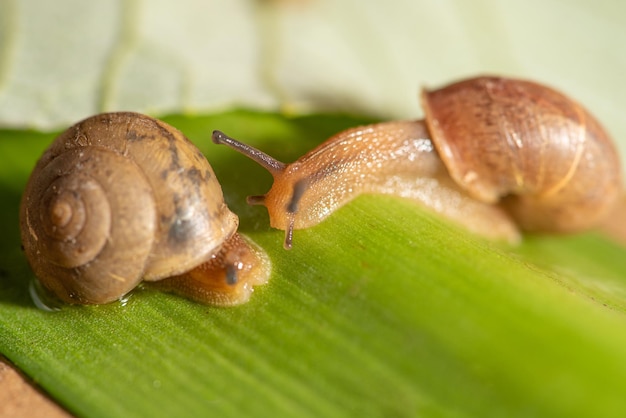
x=493 y=154
x=118 y=198
x=551 y=160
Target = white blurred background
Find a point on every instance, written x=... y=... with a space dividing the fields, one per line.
x=63 y=60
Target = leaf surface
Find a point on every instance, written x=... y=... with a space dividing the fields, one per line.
x=382 y=310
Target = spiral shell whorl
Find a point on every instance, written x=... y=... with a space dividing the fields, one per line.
x=75 y=208
x=116 y=198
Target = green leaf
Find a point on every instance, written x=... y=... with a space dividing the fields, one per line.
x=382 y=310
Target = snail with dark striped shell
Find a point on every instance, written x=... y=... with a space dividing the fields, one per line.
x=121 y=197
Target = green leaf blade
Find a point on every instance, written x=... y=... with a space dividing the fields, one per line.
x=381 y=310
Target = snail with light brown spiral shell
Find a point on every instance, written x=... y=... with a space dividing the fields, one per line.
x=122 y=197
x=494 y=154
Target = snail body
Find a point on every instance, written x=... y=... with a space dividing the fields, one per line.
x=121 y=197
x=495 y=154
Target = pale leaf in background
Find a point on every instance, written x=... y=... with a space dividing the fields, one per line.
x=64 y=60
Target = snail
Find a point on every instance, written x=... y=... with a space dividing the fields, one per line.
x=121 y=197
x=494 y=154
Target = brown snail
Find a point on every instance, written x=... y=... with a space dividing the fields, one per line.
x=494 y=154
x=122 y=197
